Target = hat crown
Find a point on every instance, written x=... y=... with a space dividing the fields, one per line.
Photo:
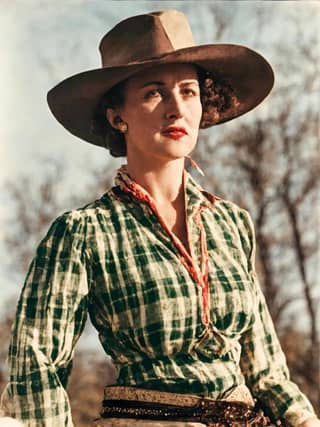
x=144 y=37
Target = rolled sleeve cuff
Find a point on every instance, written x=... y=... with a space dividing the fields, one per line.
x=295 y=416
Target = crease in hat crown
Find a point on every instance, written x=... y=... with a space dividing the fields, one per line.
x=144 y=37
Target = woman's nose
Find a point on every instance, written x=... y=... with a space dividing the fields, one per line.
x=174 y=106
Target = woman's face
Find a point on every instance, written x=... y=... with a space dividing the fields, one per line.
x=163 y=110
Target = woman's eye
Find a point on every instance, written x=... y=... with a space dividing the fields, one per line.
x=189 y=92
x=152 y=93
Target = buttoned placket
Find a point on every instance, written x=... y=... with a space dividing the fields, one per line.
x=199 y=275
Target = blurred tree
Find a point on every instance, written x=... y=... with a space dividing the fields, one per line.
x=5 y=328
x=35 y=204
x=270 y=166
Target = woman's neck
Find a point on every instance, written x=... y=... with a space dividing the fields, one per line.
x=163 y=182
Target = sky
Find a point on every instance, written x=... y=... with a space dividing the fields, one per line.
x=42 y=42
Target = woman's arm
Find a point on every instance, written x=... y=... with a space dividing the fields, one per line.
x=262 y=360
x=50 y=317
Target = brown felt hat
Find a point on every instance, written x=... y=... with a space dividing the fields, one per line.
x=152 y=39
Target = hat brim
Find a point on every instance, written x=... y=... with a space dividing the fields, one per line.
x=74 y=100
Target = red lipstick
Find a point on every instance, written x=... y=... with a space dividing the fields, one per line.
x=174 y=132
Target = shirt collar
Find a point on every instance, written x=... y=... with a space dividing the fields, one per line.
x=195 y=196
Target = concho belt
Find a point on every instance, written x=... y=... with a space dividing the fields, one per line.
x=153 y=405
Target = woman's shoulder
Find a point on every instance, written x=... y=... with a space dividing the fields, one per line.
x=77 y=219
x=232 y=216
x=227 y=208
x=235 y=211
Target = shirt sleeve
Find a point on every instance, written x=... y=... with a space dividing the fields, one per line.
x=50 y=317
x=263 y=362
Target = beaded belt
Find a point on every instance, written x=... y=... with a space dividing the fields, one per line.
x=150 y=404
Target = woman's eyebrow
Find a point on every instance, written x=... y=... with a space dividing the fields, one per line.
x=160 y=83
x=190 y=82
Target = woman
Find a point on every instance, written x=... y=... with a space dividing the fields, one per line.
x=165 y=270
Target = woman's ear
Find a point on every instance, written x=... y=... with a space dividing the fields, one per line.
x=113 y=118
x=116 y=121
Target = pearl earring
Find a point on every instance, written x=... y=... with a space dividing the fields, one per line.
x=123 y=127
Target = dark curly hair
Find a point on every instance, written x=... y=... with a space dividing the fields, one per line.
x=216 y=95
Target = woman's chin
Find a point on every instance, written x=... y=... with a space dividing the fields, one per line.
x=178 y=148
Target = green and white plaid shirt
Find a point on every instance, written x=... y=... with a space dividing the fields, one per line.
x=170 y=320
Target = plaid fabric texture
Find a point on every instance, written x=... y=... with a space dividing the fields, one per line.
x=146 y=297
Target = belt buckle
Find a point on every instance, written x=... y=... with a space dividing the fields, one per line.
x=211 y=412
x=206 y=406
